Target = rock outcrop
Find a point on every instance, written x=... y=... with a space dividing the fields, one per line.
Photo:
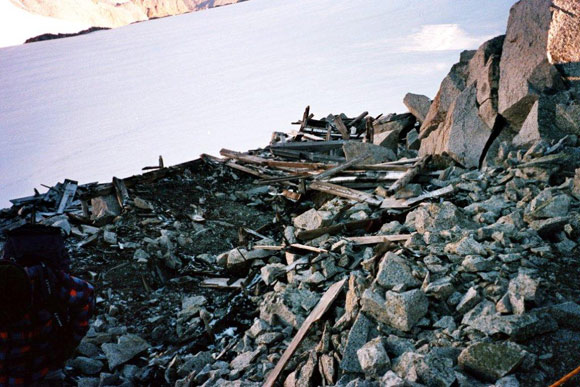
x=108 y=13
x=537 y=98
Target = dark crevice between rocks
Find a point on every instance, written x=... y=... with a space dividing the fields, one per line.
x=498 y=127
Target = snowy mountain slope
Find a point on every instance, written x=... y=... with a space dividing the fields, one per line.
x=17 y=25
x=108 y=13
x=110 y=102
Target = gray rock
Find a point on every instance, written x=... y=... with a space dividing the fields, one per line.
x=469 y=300
x=517 y=327
x=548 y=227
x=195 y=364
x=418 y=105
x=357 y=337
x=577 y=182
x=436 y=217
x=394 y=122
x=86 y=366
x=451 y=86
x=546 y=119
x=436 y=370
x=463 y=135
x=387 y=139
x=110 y=237
x=142 y=204
x=526 y=37
x=373 y=357
x=406 y=309
x=374 y=154
x=391 y=379
x=556 y=206
x=374 y=305
x=476 y=263
x=466 y=246
x=406 y=366
x=484 y=72
x=244 y=360
x=268 y=338
x=413 y=141
x=104 y=209
x=490 y=361
x=258 y=327
x=567 y=315
x=128 y=346
x=393 y=270
x=507 y=381
x=312 y=219
x=271 y=272
x=441 y=289
x=521 y=289
x=397 y=345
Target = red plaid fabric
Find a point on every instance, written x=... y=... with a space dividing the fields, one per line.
x=33 y=346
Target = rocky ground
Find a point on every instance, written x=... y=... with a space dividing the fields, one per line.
x=486 y=273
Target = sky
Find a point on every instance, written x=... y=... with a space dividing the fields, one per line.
x=108 y=103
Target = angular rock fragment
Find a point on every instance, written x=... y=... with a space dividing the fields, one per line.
x=271 y=272
x=418 y=105
x=374 y=154
x=127 y=347
x=393 y=270
x=490 y=361
x=373 y=358
x=357 y=337
x=406 y=309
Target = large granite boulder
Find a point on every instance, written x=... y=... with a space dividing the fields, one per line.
x=464 y=135
x=451 y=86
x=472 y=114
x=418 y=105
x=484 y=71
x=544 y=36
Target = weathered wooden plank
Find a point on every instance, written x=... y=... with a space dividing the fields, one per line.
x=400 y=204
x=341 y=167
x=320 y=309
x=344 y=132
x=70 y=189
x=336 y=228
x=409 y=175
x=222 y=283
x=121 y=192
x=304 y=155
x=319 y=146
x=244 y=157
x=431 y=195
x=344 y=192
x=376 y=239
x=308 y=248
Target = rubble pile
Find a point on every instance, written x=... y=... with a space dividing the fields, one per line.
x=354 y=251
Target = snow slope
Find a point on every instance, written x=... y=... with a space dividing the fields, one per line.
x=110 y=102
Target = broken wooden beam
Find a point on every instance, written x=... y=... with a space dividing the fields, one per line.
x=305 y=155
x=320 y=309
x=409 y=175
x=341 y=127
x=344 y=192
x=70 y=189
x=365 y=224
x=318 y=146
x=341 y=167
x=376 y=239
x=121 y=192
